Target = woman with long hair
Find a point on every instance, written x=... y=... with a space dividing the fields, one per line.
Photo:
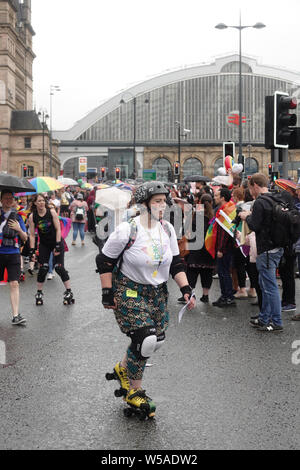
x=46 y=220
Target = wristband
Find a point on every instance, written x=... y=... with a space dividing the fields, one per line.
x=108 y=297
x=31 y=253
x=186 y=290
x=58 y=246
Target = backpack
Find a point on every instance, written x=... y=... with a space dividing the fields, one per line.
x=79 y=213
x=285 y=222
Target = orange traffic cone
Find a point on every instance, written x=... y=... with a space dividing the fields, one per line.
x=5 y=277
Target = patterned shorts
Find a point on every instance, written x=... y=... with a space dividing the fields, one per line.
x=140 y=305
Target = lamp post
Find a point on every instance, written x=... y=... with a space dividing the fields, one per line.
x=43 y=116
x=179 y=135
x=53 y=89
x=122 y=101
x=240 y=27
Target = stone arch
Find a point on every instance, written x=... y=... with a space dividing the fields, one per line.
x=192 y=165
x=163 y=168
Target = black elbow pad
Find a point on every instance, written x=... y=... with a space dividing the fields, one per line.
x=177 y=266
x=105 y=264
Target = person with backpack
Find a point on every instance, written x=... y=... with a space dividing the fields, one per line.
x=12 y=234
x=269 y=252
x=134 y=268
x=78 y=209
x=46 y=221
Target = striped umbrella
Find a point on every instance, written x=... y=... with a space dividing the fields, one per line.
x=286 y=184
x=87 y=186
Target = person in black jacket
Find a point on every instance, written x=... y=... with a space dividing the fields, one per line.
x=268 y=255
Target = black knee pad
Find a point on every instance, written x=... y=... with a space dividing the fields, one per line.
x=62 y=272
x=44 y=268
x=143 y=342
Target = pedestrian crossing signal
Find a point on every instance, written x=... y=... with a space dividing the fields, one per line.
x=117 y=173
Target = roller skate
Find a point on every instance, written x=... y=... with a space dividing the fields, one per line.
x=140 y=405
x=22 y=277
x=68 y=297
x=120 y=374
x=39 y=298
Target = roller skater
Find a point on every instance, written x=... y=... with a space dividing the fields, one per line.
x=46 y=220
x=12 y=235
x=142 y=259
x=39 y=298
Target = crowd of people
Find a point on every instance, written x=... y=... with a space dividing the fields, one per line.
x=157 y=238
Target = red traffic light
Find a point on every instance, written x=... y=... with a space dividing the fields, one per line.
x=117 y=173
x=176 y=168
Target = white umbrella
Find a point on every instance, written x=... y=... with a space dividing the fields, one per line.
x=113 y=198
x=67 y=181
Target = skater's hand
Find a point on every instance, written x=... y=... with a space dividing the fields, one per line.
x=190 y=300
x=111 y=307
x=108 y=300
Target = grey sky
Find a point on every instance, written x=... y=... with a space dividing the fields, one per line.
x=95 y=48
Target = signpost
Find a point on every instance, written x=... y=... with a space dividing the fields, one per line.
x=149 y=175
x=82 y=165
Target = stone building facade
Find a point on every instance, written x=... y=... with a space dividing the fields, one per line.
x=24 y=139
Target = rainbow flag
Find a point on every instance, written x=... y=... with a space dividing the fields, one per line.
x=210 y=238
x=225 y=216
x=65 y=226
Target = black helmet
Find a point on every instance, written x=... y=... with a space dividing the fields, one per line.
x=145 y=191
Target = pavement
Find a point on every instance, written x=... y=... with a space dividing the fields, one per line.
x=217 y=382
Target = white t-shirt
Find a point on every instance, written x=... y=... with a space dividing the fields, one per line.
x=148 y=260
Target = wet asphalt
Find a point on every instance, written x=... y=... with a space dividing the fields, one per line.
x=217 y=382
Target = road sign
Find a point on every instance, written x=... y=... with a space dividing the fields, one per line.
x=82 y=164
x=149 y=175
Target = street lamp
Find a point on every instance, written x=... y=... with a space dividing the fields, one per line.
x=53 y=89
x=240 y=27
x=179 y=135
x=43 y=120
x=122 y=101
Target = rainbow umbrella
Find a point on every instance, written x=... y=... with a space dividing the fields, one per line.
x=101 y=186
x=43 y=184
x=285 y=184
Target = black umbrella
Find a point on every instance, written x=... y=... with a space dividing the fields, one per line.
x=15 y=184
x=195 y=178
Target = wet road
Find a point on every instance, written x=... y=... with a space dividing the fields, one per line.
x=217 y=382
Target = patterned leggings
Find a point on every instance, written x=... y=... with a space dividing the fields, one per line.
x=139 y=306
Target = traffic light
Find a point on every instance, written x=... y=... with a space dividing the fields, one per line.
x=279 y=122
x=275 y=175
x=283 y=119
x=228 y=149
x=176 y=169
x=270 y=169
x=24 y=170
x=103 y=172
x=117 y=173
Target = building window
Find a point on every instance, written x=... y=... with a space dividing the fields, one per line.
x=251 y=166
x=218 y=164
x=192 y=166
x=27 y=142
x=163 y=169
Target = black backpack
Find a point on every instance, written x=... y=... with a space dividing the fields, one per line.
x=285 y=221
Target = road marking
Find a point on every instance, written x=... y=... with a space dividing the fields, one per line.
x=2 y=353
